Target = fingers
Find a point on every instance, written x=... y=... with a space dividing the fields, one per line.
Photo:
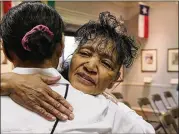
x=42 y=112
x=39 y=98
x=56 y=96
x=54 y=111
x=58 y=107
x=34 y=108
x=49 y=80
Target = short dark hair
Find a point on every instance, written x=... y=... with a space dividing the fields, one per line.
x=113 y=30
x=21 y=19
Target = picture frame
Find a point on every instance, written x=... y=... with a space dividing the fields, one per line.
x=149 y=60
x=172 y=60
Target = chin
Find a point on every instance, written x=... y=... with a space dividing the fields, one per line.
x=83 y=88
x=90 y=91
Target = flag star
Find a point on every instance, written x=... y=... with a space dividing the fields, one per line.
x=144 y=10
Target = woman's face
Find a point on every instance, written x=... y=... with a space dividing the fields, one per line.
x=94 y=67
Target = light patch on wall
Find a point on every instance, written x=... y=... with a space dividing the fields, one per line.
x=70 y=47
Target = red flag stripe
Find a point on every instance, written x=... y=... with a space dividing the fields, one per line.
x=146 y=26
x=6 y=6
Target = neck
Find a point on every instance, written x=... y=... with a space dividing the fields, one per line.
x=27 y=64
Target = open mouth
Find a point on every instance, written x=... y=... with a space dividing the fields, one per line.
x=87 y=79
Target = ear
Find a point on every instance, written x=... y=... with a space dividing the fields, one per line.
x=114 y=81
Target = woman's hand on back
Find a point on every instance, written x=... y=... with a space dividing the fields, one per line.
x=32 y=92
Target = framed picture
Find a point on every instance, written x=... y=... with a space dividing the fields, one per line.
x=149 y=60
x=172 y=60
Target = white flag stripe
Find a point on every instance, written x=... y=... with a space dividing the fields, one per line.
x=14 y=3
x=141 y=26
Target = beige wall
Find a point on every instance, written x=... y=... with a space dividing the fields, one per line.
x=163 y=34
x=83 y=11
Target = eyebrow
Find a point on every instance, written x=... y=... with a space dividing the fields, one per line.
x=88 y=47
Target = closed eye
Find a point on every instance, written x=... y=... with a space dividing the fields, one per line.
x=85 y=54
x=107 y=65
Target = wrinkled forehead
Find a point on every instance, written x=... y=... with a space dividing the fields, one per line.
x=102 y=46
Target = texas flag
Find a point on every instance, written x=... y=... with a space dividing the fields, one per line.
x=143 y=23
x=6 y=5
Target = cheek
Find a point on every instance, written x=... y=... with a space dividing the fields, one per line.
x=106 y=76
x=76 y=62
x=72 y=67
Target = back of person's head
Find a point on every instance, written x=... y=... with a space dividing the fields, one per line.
x=32 y=31
x=108 y=28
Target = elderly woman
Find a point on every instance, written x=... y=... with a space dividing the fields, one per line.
x=103 y=48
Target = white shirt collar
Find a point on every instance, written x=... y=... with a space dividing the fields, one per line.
x=45 y=71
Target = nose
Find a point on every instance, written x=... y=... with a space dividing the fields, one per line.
x=91 y=66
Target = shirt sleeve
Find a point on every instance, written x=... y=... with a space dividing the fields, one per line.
x=128 y=121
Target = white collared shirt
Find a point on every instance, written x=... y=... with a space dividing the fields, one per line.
x=93 y=114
